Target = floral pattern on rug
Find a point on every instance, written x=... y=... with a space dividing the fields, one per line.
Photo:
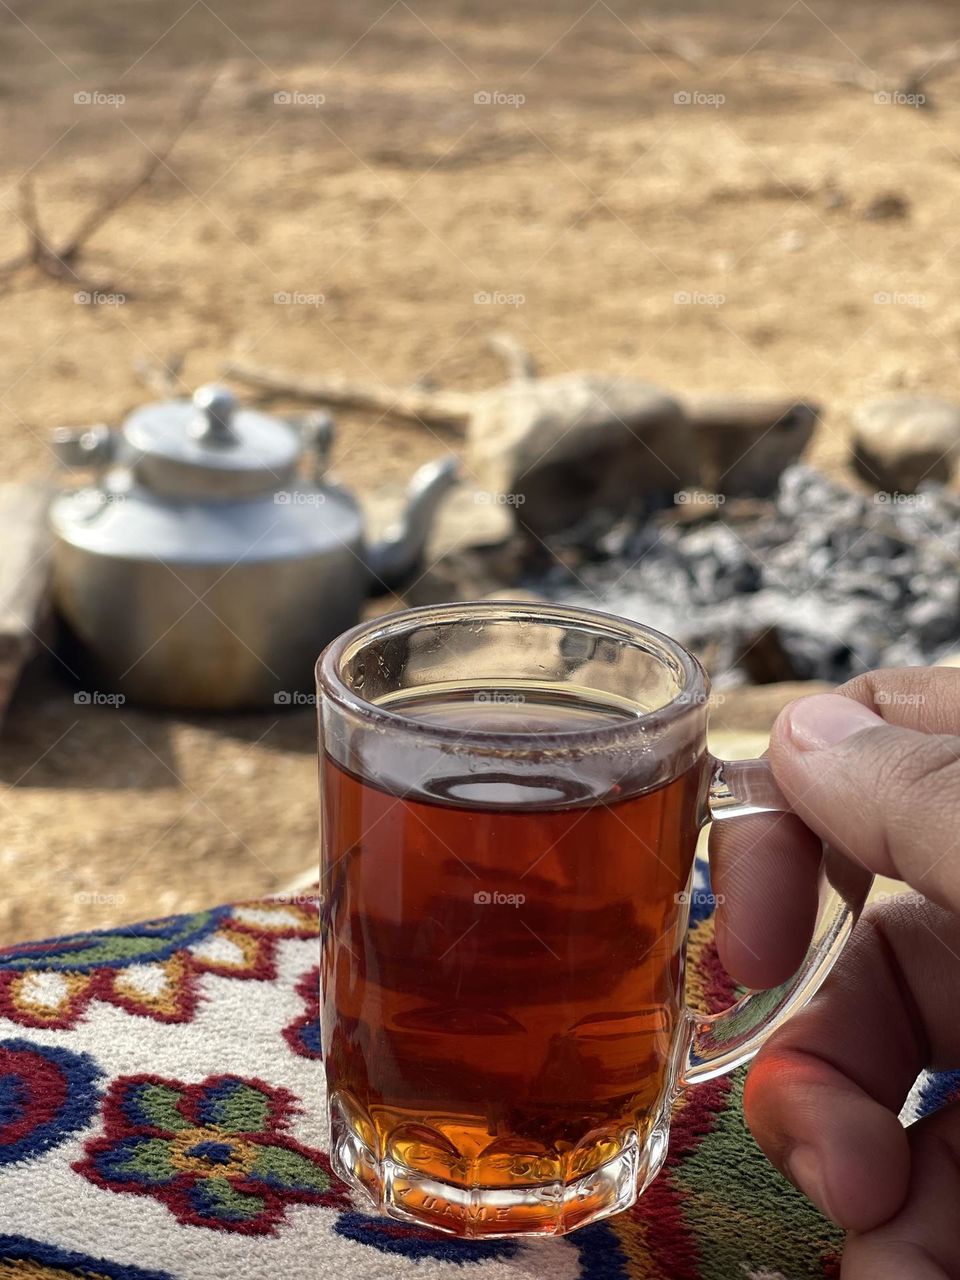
x=217 y=1154
x=303 y=1034
x=46 y=1094
x=168 y=1146
x=42 y=1261
x=411 y=1241
x=150 y=970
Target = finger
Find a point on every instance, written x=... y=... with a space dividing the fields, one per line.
x=922 y=1240
x=925 y=698
x=764 y=874
x=763 y=868
x=884 y=795
x=823 y=1096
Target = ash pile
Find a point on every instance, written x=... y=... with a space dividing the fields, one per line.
x=825 y=583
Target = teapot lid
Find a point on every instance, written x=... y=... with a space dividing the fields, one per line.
x=209 y=446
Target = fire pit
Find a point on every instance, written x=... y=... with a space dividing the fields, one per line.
x=823 y=583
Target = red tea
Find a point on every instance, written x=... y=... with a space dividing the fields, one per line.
x=502 y=976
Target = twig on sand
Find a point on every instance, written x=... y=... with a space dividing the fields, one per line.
x=927 y=65
x=29 y=216
x=433 y=408
x=418 y=403
x=905 y=86
x=59 y=260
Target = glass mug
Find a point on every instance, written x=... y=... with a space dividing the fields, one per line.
x=511 y=797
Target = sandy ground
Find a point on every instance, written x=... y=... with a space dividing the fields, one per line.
x=719 y=240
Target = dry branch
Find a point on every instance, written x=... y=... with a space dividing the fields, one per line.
x=852 y=74
x=928 y=64
x=58 y=261
x=903 y=86
x=432 y=408
x=112 y=201
x=27 y=198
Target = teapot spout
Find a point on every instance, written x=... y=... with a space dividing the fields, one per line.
x=400 y=554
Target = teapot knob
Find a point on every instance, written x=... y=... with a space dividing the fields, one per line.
x=213 y=422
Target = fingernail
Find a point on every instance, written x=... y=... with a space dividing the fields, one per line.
x=825 y=719
x=806 y=1173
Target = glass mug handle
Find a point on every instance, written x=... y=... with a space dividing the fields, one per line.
x=722 y=1041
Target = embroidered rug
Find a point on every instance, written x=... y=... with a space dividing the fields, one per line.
x=162 y=1118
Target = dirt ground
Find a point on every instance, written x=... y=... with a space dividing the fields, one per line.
x=699 y=214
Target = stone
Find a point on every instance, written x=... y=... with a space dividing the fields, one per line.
x=572 y=454
x=745 y=445
x=900 y=441
x=469 y=517
x=571 y=457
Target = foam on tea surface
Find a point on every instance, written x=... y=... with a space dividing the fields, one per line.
x=512 y=708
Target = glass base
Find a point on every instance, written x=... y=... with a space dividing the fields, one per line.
x=552 y=1208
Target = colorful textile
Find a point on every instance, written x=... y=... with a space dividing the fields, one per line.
x=162 y=1118
x=217 y=1154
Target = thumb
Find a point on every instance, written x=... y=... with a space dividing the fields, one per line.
x=886 y=796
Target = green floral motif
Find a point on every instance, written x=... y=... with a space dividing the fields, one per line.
x=217 y=1154
x=159 y=1104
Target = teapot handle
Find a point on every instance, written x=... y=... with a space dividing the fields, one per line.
x=78 y=447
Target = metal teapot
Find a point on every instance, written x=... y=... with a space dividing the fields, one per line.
x=210 y=563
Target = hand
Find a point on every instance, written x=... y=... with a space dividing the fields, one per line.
x=874 y=770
